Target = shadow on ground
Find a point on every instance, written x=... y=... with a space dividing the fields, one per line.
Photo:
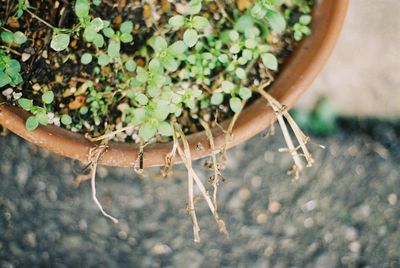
x=343 y=212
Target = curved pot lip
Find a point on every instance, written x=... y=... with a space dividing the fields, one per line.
x=296 y=76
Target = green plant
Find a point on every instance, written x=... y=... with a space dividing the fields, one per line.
x=195 y=66
x=9 y=70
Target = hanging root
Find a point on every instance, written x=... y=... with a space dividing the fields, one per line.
x=94 y=156
x=170 y=159
x=214 y=179
x=138 y=166
x=282 y=113
x=193 y=178
x=190 y=208
x=229 y=136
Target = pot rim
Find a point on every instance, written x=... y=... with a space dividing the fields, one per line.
x=297 y=74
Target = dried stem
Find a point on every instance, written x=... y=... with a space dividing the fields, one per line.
x=228 y=136
x=170 y=159
x=281 y=113
x=191 y=209
x=223 y=11
x=217 y=174
x=109 y=135
x=40 y=19
x=187 y=160
x=94 y=156
x=11 y=50
x=138 y=166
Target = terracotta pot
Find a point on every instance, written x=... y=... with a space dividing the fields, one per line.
x=296 y=76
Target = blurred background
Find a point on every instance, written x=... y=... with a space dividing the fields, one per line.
x=343 y=212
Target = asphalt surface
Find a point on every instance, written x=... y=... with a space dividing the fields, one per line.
x=344 y=212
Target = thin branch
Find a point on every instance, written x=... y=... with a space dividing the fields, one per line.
x=107 y=136
x=40 y=19
x=11 y=50
x=223 y=11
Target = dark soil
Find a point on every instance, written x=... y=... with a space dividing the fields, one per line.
x=344 y=212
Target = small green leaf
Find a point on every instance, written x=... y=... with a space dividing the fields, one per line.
x=234 y=36
x=66 y=119
x=194 y=7
x=86 y=58
x=165 y=129
x=159 y=44
x=83 y=110
x=240 y=73
x=155 y=66
x=31 y=123
x=130 y=65
x=227 y=86
x=42 y=118
x=126 y=38
x=97 y=24
x=223 y=58
x=200 y=23
x=60 y=42
x=98 y=40
x=270 y=61
x=176 y=21
x=126 y=27
x=169 y=63
x=25 y=104
x=113 y=49
x=90 y=34
x=103 y=60
x=178 y=48
x=48 y=97
x=250 y=43
x=305 y=19
x=217 y=98
x=108 y=32
x=20 y=38
x=245 y=93
x=276 y=20
x=258 y=11
x=147 y=131
x=190 y=37
x=4 y=79
x=244 y=22
x=7 y=37
x=235 y=49
x=142 y=99
x=82 y=8
x=235 y=104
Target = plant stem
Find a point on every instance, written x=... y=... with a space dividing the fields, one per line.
x=40 y=19
x=217 y=173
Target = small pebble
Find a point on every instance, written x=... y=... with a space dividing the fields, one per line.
x=392 y=199
x=274 y=206
x=25 y=57
x=36 y=87
x=308 y=223
x=160 y=249
x=262 y=218
x=355 y=247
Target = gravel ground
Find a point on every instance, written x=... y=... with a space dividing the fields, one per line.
x=343 y=212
